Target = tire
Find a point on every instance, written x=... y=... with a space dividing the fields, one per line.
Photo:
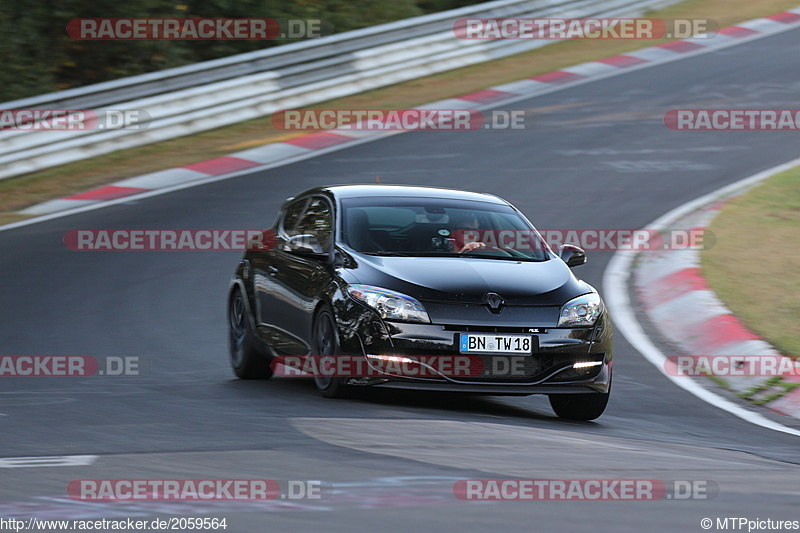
x=579 y=406
x=325 y=342
x=247 y=361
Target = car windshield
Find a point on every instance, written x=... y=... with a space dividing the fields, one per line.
x=438 y=227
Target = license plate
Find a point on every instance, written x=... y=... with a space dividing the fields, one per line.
x=496 y=343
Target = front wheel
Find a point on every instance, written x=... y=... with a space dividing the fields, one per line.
x=247 y=362
x=579 y=406
x=325 y=345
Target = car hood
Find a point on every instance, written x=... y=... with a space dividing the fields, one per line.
x=468 y=280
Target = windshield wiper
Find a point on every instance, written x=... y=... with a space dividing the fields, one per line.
x=501 y=257
x=385 y=253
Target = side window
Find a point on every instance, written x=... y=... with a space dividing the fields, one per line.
x=292 y=213
x=317 y=221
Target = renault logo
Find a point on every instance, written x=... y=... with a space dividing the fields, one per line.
x=494 y=301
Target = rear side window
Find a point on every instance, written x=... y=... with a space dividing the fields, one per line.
x=291 y=216
x=317 y=221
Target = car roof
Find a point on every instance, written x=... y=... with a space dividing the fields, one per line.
x=380 y=190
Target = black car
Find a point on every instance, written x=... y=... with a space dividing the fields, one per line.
x=405 y=278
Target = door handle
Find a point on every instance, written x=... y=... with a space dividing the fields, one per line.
x=272 y=270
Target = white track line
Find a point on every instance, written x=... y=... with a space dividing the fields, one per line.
x=47 y=461
x=615 y=290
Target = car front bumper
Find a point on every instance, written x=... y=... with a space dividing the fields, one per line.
x=550 y=369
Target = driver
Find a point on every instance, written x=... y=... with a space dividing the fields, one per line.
x=469 y=222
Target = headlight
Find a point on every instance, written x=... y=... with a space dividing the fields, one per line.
x=581 y=311
x=389 y=304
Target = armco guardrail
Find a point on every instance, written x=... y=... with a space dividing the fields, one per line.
x=208 y=95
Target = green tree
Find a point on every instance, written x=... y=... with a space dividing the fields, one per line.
x=40 y=57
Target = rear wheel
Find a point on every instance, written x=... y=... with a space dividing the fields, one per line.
x=246 y=360
x=579 y=406
x=325 y=345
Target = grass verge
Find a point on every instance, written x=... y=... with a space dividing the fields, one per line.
x=18 y=193
x=754 y=267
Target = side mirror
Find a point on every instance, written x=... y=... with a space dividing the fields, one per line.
x=572 y=255
x=305 y=244
x=336 y=259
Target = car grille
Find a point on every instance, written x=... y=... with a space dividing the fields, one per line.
x=494 y=329
x=531 y=368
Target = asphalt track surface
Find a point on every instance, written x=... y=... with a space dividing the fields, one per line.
x=597 y=156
